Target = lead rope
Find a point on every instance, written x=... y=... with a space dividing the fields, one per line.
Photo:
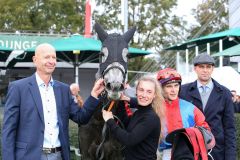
x=111 y=105
x=209 y=154
x=100 y=150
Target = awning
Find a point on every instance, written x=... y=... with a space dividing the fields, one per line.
x=11 y=45
x=88 y=48
x=4 y=53
x=232 y=51
x=2 y=48
x=233 y=33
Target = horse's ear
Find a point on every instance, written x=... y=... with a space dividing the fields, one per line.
x=129 y=34
x=102 y=35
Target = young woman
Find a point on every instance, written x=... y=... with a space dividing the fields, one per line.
x=141 y=136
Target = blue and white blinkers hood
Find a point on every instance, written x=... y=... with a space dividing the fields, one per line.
x=115 y=46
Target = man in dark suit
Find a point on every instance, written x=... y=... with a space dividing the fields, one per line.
x=215 y=101
x=37 y=113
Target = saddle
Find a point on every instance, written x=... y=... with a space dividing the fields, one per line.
x=191 y=143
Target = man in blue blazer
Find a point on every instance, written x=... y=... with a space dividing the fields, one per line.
x=37 y=113
x=215 y=101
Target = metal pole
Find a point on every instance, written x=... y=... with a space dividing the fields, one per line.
x=76 y=65
x=124 y=10
x=220 y=50
x=208 y=48
x=76 y=68
x=187 y=63
x=178 y=62
x=125 y=16
x=196 y=50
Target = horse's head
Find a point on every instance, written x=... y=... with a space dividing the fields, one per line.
x=113 y=60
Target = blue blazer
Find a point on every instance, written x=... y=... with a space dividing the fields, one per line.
x=23 y=123
x=219 y=113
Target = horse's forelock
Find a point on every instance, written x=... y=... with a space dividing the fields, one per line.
x=117 y=39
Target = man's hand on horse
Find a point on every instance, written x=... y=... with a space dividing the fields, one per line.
x=107 y=115
x=97 y=88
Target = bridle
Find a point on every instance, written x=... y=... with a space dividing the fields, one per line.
x=111 y=66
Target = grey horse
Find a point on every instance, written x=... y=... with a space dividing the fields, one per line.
x=95 y=141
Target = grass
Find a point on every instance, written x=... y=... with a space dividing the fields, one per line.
x=73 y=135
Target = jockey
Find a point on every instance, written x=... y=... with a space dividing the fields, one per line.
x=179 y=113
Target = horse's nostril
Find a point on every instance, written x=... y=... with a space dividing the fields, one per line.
x=108 y=86
x=116 y=87
x=121 y=88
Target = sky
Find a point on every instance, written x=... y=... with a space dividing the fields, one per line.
x=184 y=8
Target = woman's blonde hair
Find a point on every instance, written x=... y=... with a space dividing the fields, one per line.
x=158 y=103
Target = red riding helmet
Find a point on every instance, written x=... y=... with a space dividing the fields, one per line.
x=168 y=75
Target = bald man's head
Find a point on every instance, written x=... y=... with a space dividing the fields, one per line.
x=44 y=47
x=45 y=59
x=74 y=87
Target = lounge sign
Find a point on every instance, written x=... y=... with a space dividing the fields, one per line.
x=23 y=42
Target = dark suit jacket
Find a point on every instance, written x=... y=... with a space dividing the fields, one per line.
x=219 y=113
x=23 y=124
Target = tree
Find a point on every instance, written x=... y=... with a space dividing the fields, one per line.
x=41 y=15
x=212 y=17
x=154 y=20
x=156 y=26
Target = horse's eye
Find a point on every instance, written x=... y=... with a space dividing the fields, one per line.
x=125 y=54
x=104 y=54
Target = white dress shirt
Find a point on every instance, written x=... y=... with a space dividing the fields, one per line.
x=51 y=132
x=208 y=87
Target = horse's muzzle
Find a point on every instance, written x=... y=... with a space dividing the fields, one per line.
x=114 y=90
x=114 y=86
